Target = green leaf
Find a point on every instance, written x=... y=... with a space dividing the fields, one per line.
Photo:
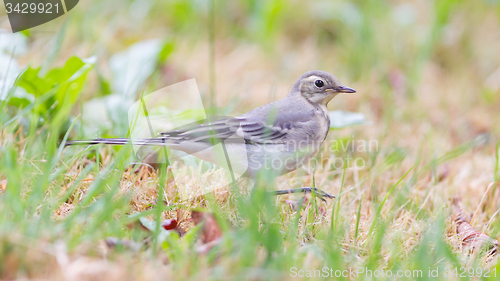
x=167 y=49
x=67 y=80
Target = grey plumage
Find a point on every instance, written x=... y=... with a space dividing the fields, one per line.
x=288 y=130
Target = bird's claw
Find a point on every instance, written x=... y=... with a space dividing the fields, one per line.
x=313 y=190
x=318 y=192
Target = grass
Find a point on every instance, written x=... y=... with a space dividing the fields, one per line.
x=420 y=73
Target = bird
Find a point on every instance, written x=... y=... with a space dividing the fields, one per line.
x=279 y=136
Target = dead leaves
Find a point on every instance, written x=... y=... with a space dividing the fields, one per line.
x=169 y=224
x=3 y=185
x=471 y=238
x=210 y=230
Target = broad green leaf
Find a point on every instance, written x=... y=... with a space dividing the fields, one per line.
x=67 y=80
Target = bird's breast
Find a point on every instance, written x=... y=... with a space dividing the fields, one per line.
x=323 y=118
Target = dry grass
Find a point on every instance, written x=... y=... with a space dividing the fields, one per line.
x=443 y=124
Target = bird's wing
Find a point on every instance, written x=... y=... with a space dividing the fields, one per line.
x=228 y=129
x=273 y=123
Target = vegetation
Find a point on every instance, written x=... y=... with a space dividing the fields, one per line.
x=427 y=75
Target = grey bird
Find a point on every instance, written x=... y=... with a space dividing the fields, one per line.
x=279 y=136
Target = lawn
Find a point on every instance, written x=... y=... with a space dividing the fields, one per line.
x=416 y=175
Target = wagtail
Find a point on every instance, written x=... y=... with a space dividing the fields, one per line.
x=279 y=136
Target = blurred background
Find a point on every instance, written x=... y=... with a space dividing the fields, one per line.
x=426 y=65
x=427 y=75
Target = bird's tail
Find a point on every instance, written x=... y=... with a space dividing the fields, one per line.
x=119 y=141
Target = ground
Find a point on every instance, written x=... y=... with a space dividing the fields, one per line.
x=427 y=80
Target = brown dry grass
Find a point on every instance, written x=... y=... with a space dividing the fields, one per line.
x=449 y=108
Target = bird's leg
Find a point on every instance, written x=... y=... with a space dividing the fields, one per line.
x=313 y=190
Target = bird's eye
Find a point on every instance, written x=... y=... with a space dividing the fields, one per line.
x=319 y=83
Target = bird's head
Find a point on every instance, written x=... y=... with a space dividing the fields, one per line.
x=319 y=87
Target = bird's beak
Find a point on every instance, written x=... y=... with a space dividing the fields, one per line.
x=344 y=89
